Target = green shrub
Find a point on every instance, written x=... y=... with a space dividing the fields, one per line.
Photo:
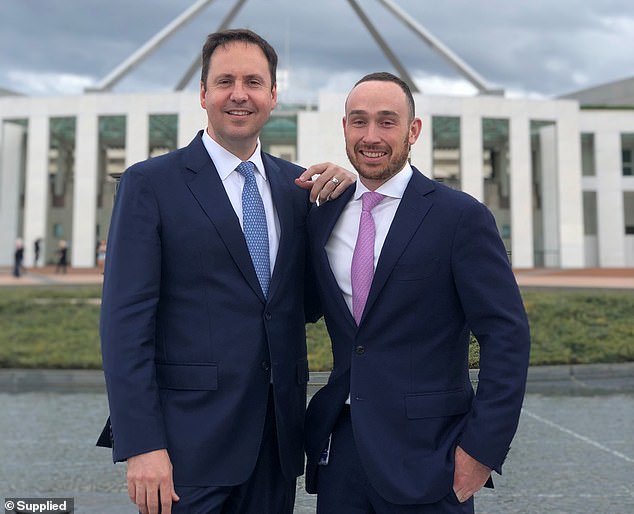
x=58 y=327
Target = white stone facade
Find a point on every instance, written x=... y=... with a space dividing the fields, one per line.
x=554 y=237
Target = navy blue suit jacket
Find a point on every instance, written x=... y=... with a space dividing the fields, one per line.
x=443 y=271
x=188 y=340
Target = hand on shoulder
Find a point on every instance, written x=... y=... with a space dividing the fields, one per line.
x=326 y=181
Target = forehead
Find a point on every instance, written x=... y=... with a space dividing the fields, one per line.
x=238 y=56
x=377 y=96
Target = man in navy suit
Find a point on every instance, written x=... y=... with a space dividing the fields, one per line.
x=206 y=294
x=407 y=269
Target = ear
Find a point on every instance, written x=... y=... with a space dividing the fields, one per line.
x=415 y=129
x=343 y=122
x=203 y=90
x=274 y=96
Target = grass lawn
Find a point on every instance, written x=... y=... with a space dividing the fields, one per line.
x=57 y=327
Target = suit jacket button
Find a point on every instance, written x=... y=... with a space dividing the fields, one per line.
x=360 y=349
x=267 y=316
x=265 y=365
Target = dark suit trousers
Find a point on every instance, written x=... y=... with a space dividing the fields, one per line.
x=343 y=486
x=266 y=491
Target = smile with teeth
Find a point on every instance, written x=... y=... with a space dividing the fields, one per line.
x=239 y=113
x=372 y=154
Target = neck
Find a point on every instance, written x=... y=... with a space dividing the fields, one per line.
x=242 y=148
x=372 y=185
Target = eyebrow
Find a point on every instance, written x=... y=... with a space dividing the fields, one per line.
x=247 y=77
x=382 y=113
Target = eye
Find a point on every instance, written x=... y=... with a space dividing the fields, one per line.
x=357 y=122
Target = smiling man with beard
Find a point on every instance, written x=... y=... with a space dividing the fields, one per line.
x=408 y=268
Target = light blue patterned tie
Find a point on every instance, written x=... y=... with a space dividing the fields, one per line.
x=254 y=225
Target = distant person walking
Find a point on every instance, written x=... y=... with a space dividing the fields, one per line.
x=62 y=256
x=18 y=257
x=101 y=255
x=37 y=246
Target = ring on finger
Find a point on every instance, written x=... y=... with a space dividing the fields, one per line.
x=334 y=180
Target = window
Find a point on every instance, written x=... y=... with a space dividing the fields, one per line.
x=590 y=213
x=628 y=211
x=588 y=168
x=446 y=150
x=627 y=151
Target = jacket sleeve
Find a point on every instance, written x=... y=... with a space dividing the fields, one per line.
x=128 y=313
x=495 y=314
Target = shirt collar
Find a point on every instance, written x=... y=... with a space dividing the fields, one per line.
x=394 y=187
x=225 y=162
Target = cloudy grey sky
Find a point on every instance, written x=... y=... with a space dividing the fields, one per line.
x=528 y=47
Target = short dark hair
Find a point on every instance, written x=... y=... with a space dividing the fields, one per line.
x=225 y=37
x=384 y=76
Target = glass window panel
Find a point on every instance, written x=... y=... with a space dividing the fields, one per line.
x=628 y=211
x=627 y=153
x=61 y=172
x=590 y=213
x=163 y=137
x=446 y=150
x=587 y=155
x=279 y=136
x=111 y=164
x=496 y=171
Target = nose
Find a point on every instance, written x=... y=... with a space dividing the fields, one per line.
x=238 y=93
x=371 y=135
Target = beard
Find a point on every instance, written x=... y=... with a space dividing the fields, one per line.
x=396 y=161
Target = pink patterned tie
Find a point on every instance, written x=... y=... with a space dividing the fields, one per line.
x=362 y=270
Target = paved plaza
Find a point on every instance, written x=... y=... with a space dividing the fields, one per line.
x=573 y=453
x=604 y=278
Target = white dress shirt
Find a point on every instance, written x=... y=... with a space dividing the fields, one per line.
x=233 y=182
x=340 y=245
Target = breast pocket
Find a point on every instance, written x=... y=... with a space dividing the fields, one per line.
x=421 y=270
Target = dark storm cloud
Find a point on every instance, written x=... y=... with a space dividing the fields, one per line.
x=540 y=47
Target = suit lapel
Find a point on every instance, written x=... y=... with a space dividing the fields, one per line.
x=281 y=192
x=325 y=219
x=409 y=215
x=205 y=184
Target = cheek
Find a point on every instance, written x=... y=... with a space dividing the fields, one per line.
x=213 y=105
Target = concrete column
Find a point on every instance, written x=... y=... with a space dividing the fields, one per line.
x=137 y=135
x=610 y=220
x=569 y=192
x=472 y=177
x=191 y=118
x=315 y=145
x=85 y=191
x=10 y=165
x=550 y=194
x=36 y=188
x=522 y=245
x=422 y=151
